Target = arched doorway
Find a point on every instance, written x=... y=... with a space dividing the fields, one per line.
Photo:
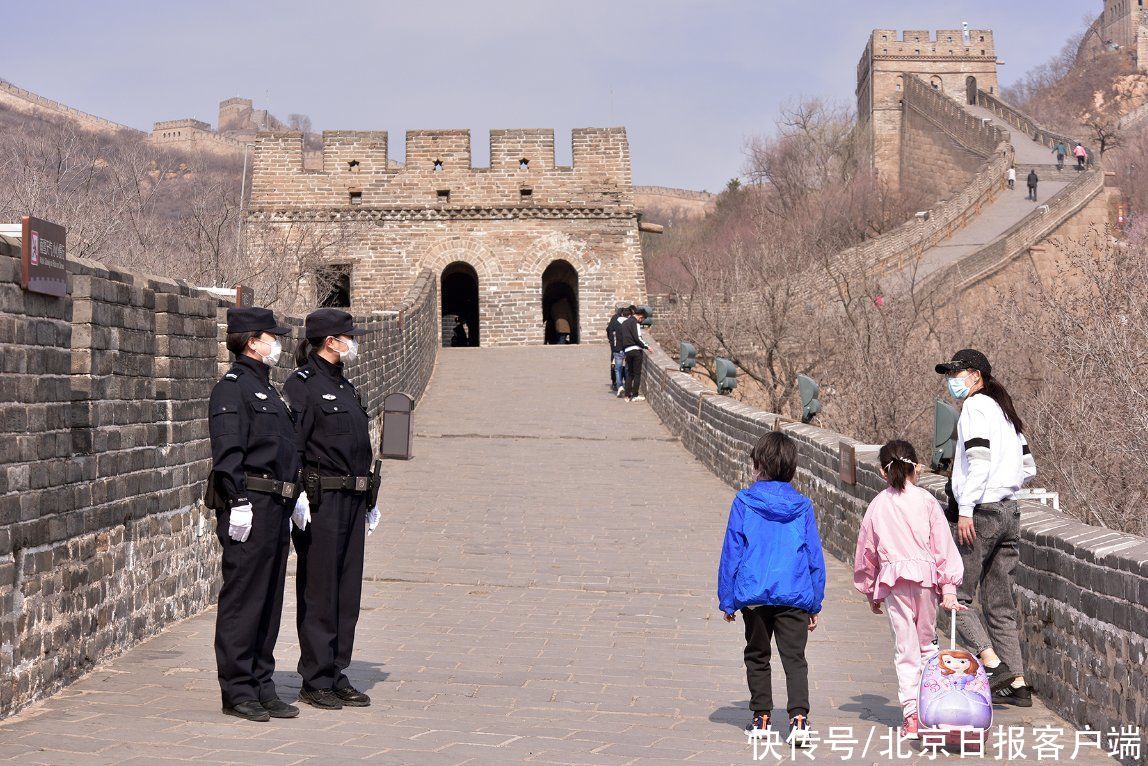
x=458 y=289
x=971 y=89
x=560 y=302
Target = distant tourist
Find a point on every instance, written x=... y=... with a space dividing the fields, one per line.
x=634 y=348
x=1012 y=177
x=773 y=570
x=1081 y=155
x=563 y=315
x=458 y=336
x=1061 y=151
x=905 y=558
x=617 y=355
x=991 y=463
x=1032 y=182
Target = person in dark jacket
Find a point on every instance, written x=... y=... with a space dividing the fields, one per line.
x=773 y=569
x=617 y=357
x=332 y=520
x=254 y=468
x=633 y=348
x=1032 y=181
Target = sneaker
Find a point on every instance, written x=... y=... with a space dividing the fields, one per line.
x=638 y=398
x=909 y=727
x=799 y=730
x=621 y=391
x=759 y=726
x=1020 y=696
x=1000 y=676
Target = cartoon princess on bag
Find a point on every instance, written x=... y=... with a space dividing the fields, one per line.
x=959 y=667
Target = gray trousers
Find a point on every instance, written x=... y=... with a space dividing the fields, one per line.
x=990 y=568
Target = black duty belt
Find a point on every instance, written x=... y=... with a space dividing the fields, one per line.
x=285 y=489
x=353 y=483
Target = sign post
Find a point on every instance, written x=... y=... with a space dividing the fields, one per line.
x=45 y=257
x=244 y=296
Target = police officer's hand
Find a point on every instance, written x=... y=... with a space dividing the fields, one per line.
x=239 y=525
x=372 y=519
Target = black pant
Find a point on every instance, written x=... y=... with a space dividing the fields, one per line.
x=1032 y=193
x=329 y=586
x=251 y=601
x=634 y=372
x=791 y=628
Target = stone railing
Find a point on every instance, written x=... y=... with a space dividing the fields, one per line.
x=88 y=120
x=951 y=118
x=1024 y=234
x=1082 y=590
x=1025 y=124
x=104 y=452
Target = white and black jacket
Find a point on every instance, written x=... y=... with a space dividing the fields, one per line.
x=992 y=460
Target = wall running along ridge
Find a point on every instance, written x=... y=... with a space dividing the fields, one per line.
x=508 y=222
x=104 y=452
x=1082 y=590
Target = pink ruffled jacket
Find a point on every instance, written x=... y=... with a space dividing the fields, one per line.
x=904 y=536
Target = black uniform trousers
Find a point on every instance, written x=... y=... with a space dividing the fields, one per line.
x=790 y=627
x=329 y=584
x=251 y=600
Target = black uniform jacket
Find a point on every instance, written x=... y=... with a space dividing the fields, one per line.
x=333 y=428
x=252 y=430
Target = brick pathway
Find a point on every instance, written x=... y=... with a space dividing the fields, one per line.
x=540 y=591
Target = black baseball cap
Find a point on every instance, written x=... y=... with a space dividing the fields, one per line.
x=254 y=319
x=966 y=359
x=324 y=322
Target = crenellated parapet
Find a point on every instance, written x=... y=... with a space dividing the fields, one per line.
x=438 y=171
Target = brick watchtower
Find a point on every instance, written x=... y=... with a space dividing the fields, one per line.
x=515 y=246
x=955 y=62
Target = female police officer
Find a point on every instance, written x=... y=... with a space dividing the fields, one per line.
x=255 y=463
x=332 y=516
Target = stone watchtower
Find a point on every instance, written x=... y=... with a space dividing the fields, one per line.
x=956 y=62
x=515 y=247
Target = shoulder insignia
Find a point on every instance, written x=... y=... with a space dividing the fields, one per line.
x=304 y=373
x=232 y=376
x=329 y=397
x=260 y=395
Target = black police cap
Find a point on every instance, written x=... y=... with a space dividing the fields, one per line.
x=966 y=359
x=254 y=319
x=324 y=322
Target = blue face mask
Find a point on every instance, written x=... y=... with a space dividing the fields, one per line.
x=957 y=388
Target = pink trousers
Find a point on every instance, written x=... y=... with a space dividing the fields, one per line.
x=912 y=612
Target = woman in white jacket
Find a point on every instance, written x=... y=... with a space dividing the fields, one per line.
x=991 y=463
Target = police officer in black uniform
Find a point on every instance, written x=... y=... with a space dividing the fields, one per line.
x=332 y=518
x=253 y=489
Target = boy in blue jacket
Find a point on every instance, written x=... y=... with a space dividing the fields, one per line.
x=773 y=570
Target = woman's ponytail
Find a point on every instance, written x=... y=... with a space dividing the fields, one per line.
x=302 y=352
x=995 y=391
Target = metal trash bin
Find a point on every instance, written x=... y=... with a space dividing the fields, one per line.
x=398 y=430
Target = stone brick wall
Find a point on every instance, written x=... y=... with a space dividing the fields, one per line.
x=21 y=100
x=508 y=222
x=942 y=145
x=103 y=455
x=1082 y=590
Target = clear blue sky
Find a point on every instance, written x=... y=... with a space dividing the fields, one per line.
x=690 y=79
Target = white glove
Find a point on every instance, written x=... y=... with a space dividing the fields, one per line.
x=239 y=525
x=301 y=516
x=372 y=519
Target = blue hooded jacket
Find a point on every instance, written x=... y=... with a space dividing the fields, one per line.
x=772 y=553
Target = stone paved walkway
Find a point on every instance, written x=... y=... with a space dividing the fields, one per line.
x=540 y=591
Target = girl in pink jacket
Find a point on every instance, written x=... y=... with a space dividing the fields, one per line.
x=905 y=557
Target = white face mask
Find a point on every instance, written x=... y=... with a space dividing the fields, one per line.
x=272 y=357
x=352 y=352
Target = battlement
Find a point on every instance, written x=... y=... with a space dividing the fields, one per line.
x=189 y=122
x=438 y=170
x=236 y=101
x=943 y=42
